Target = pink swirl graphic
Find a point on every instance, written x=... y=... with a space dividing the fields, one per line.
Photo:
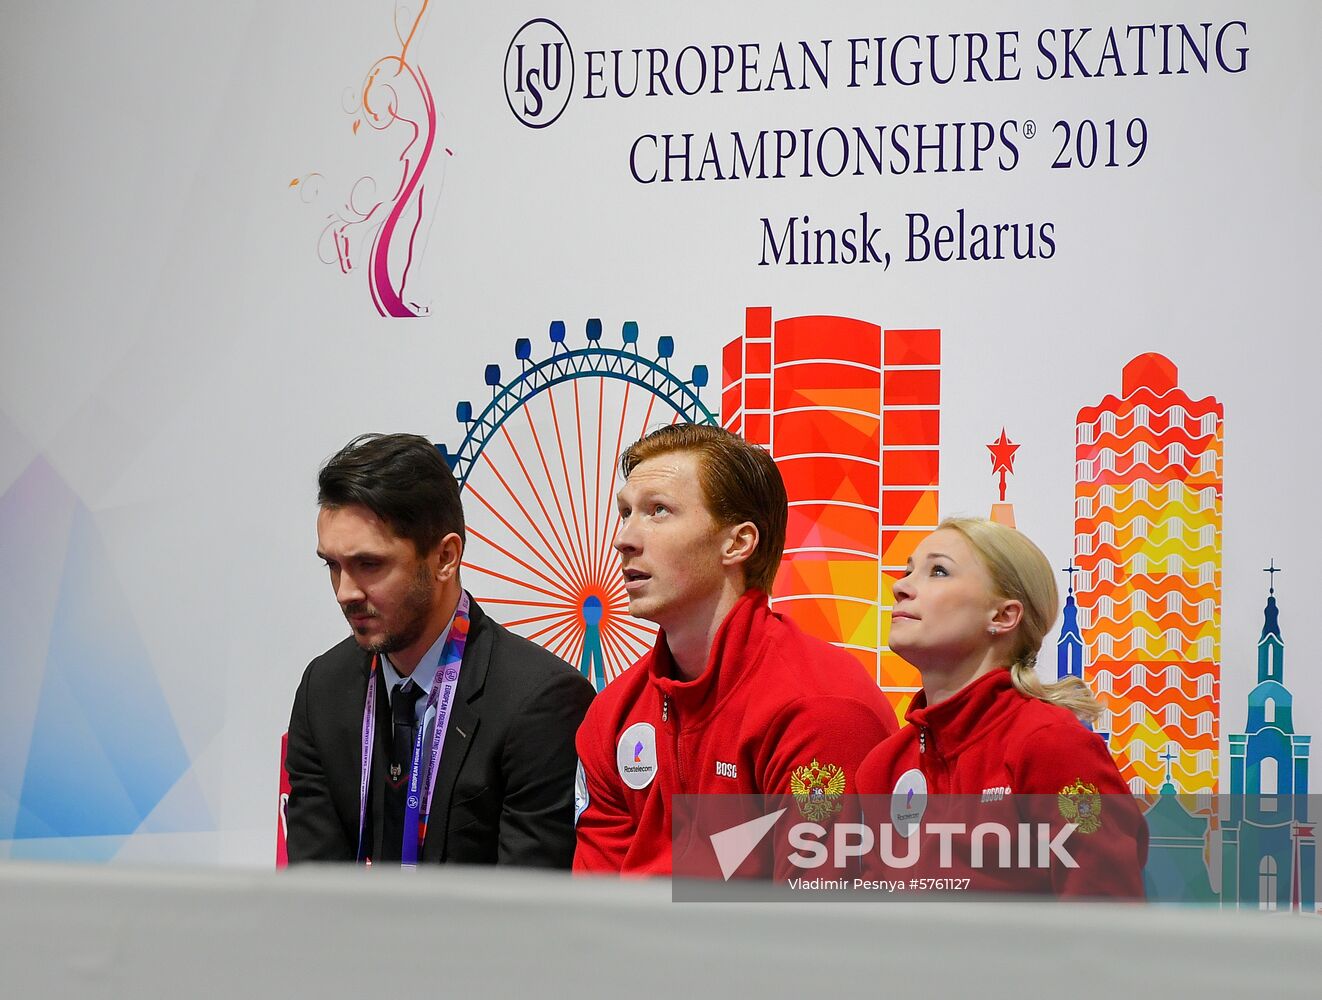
x=394 y=99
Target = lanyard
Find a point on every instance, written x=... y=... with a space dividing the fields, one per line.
x=441 y=699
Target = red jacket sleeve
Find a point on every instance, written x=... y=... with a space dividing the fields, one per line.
x=603 y=826
x=811 y=757
x=1068 y=776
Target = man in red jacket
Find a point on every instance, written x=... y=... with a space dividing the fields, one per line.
x=733 y=698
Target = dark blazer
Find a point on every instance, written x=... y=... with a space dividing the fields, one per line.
x=505 y=785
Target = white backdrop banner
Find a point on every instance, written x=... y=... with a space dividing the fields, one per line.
x=1041 y=263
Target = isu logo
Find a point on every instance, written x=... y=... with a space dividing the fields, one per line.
x=539 y=73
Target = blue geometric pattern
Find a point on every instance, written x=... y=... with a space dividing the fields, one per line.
x=103 y=747
x=35 y=514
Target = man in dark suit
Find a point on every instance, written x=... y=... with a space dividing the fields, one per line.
x=425 y=677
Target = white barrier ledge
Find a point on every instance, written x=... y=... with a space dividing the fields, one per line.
x=338 y=932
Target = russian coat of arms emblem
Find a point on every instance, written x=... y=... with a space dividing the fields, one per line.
x=817 y=789
x=1081 y=805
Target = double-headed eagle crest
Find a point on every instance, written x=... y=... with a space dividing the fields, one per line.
x=1081 y=805
x=817 y=789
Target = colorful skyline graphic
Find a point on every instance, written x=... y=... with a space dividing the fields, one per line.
x=1148 y=510
x=851 y=414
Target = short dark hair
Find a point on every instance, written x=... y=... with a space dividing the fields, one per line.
x=402 y=479
x=739 y=480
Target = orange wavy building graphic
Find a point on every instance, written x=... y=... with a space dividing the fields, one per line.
x=851 y=414
x=1148 y=511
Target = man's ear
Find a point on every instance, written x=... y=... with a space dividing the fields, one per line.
x=740 y=543
x=446 y=557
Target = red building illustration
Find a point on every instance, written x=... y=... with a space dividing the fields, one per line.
x=851 y=414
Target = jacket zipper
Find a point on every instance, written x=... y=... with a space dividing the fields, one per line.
x=936 y=767
x=675 y=741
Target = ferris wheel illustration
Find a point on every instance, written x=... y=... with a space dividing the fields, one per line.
x=538 y=469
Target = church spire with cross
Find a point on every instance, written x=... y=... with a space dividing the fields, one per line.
x=1268 y=845
x=1069 y=645
x=1271 y=647
x=1168 y=788
x=1070 y=650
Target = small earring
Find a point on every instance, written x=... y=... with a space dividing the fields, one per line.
x=993 y=630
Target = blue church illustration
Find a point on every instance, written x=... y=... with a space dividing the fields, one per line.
x=1069 y=644
x=1176 y=871
x=1269 y=849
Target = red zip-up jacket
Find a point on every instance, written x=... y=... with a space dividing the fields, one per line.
x=771 y=703
x=989 y=753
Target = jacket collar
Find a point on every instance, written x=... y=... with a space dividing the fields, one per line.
x=477 y=655
x=737 y=651
x=969 y=713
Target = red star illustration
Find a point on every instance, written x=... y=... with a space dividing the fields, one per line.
x=1003 y=450
x=1002 y=456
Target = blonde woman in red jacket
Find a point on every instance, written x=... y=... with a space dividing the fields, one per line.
x=987 y=742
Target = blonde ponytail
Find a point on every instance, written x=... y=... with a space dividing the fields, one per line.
x=1068 y=692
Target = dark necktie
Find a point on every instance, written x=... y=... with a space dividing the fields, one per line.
x=403 y=711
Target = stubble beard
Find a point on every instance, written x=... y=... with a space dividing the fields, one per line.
x=414 y=609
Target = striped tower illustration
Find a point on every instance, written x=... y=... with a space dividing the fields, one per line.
x=851 y=414
x=1148 y=509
